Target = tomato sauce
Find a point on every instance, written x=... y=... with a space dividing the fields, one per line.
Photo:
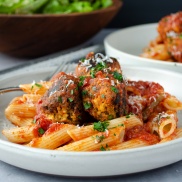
x=41 y=123
x=53 y=128
x=141 y=133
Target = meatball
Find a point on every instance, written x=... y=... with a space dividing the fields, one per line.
x=104 y=99
x=96 y=62
x=103 y=87
x=170 y=30
x=63 y=102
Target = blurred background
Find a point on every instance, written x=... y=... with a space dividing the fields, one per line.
x=135 y=12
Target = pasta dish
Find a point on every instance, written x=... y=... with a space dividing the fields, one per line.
x=95 y=108
x=167 y=46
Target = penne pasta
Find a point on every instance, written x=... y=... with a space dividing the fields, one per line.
x=22 y=109
x=20 y=135
x=175 y=135
x=133 y=143
x=164 y=124
x=54 y=137
x=167 y=127
x=36 y=88
x=99 y=141
x=31 y=98
x=86 y=131
x=172 y=103
x=19 y=121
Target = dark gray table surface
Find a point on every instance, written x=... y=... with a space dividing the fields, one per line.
x=171 y=173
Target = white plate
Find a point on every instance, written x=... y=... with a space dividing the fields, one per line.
x=128 y=43
x=92 y=163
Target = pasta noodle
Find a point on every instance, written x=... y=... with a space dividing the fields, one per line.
x=177 y=134
x=22 y=134
x=134 y=143
x=86 y=131
x=164 y=124
x=36 y=88
x=97 y=141
x=22 y=109
x=172 y=103
x=54 y=137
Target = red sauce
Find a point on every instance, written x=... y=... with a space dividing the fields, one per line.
x=145 y=88
x=53 y=128
x=86 y=81
x=140 y=132
x=41 y=123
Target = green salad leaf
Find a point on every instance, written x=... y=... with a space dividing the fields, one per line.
x=51 y=6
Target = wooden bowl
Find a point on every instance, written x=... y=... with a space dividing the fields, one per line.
x=38 y=35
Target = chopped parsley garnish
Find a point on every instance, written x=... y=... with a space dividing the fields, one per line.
x=128 y=116
x=102 y=148
x=60 y=99
x=121 y=124
x=82 y=60
x=34 y=121
x=87 y=105
x=103 y=96
x=37 y=85
x=41 y=131
x=114 y=89
x=110 y=117
x=72 y=92
x=101 y=126
x=98 y=67
x=118 y=76
x=92 y=72
x=79 y=117
x=70 y=99
x=82 y=78
x=84 y=92
x=99 y=138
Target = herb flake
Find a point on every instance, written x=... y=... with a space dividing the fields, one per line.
x=101 y=126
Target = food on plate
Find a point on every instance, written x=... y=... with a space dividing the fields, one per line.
x=51 y=6
x=168 y=44
x=96 y=108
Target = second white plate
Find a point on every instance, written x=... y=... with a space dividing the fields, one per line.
x=128 y=43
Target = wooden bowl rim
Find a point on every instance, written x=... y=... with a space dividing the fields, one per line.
x=116 y=5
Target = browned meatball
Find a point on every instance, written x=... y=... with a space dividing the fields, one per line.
x=96 y=62
x=103 y=87
x=63 y=102
x=104 y=99
x=170 y=30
